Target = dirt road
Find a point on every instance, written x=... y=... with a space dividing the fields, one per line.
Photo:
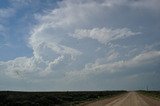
x=129 y=99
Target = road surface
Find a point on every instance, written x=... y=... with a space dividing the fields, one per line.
x=129 y=99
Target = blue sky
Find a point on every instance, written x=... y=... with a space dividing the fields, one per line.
x=79 y=44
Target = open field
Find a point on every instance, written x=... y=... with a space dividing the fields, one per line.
x=70 y=98
x=154 y=94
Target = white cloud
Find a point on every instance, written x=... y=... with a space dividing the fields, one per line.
x=111 y=55
x=139 y=60
x=141 y=4
x=16 y=68
x=51 y=66
x=47 y=37
x=58 y=52
x=152 y=46
x=104 y=35
x=44 y=59
x=147 y=59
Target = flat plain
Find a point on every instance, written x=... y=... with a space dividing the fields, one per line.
x=68 y=98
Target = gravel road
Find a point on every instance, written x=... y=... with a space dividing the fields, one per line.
x=129 y=99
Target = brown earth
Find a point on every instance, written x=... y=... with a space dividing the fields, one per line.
x=129 y=99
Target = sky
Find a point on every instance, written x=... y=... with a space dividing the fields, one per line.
x=62 y=45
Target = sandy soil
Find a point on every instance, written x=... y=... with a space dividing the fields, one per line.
x=129 y=99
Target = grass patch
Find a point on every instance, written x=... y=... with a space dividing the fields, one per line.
x=154 y=94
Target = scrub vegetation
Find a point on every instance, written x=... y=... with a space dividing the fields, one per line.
x=153 y=94
x=68 y=98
